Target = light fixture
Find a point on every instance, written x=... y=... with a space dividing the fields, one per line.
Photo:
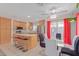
x=28 y=16
x=53 y=11
x=53 y=16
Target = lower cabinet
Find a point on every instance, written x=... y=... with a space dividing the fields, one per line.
x=26 y=42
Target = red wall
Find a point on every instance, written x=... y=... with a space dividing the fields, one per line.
x=49 y=29
x=67 y=32
x=77 y=24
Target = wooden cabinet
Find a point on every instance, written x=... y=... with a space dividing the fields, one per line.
x=27 y=41
x=29 y=26
x=33 y=41
x=25 y=25
x=5 y=30
x=19 y=24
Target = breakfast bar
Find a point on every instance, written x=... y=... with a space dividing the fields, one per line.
x=25 y=41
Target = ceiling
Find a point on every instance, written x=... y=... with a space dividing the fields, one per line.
x=35 y=11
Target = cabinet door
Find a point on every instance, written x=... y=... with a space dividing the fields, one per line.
x=19 y=24
x=33 y=41
x=5 y=30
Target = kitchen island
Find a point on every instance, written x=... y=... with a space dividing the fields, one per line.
x=25 y=41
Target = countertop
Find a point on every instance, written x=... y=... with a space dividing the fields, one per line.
x=28 y=34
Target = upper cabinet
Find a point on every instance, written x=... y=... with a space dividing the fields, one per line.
x=25 y=25
x=19 y=24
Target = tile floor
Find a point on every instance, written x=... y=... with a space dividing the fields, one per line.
x=9 y=50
